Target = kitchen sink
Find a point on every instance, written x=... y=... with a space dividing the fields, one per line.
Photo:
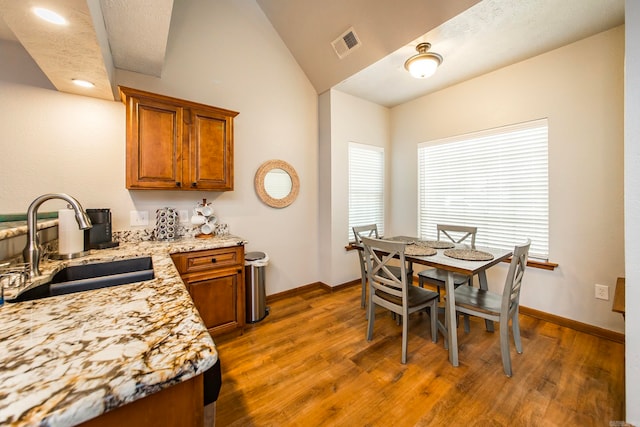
x=79 y=278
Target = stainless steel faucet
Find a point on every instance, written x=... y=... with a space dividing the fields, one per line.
x=31 y=252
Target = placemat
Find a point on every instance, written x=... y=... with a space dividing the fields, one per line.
x=419 y=250
x=408 y=240
x=468 y=254
x=436 y=244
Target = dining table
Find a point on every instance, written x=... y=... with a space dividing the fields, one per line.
x=454 y=265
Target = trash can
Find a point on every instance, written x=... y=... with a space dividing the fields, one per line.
x=254 y=263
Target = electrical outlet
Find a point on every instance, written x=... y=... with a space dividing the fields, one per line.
x=183 y=214
x=138 y=218
x=602 y=292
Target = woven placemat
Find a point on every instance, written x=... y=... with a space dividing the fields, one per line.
x=436 y=244
x=468 y=254
x=419 y=250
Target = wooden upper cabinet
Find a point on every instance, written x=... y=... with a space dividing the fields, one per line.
x=154 y=144
x=211 y=153
x=173 y=144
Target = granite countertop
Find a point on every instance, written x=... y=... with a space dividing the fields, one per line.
x=70 y=358
x=17 y=228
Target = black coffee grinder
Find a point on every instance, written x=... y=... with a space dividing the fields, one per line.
x=99 y=235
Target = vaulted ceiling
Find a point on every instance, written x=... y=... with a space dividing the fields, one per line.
x=474 y=37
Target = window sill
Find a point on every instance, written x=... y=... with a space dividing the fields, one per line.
x=544 y=265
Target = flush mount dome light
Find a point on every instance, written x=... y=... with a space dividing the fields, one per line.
x=49 y=16
x=424 y=64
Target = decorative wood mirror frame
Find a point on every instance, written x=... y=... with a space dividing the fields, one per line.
x=262 y=172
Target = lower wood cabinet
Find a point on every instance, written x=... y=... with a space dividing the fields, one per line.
x=179 y=405
x=215 y=280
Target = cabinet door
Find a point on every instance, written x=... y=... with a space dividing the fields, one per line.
x=211 y=150
x=218 y=296
x=154 y=144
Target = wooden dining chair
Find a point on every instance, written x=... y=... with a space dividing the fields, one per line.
x=393 y=293
x=371 y=230
x=456 y=234
x=499 y=308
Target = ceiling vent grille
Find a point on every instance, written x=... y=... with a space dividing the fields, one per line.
x=346 y=43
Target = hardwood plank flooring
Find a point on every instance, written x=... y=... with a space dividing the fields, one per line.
x=308 y=363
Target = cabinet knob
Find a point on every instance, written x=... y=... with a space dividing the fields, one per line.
x=194 y=184
x=178 y=184
x=239 y=270
x=214 y=260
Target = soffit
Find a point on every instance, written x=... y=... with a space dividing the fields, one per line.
x=101 y=35
x=138 y=33
x=63 y=53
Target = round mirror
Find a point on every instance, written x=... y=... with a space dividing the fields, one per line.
x=277 y=183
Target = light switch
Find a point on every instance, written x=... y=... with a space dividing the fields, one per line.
x=138 y=218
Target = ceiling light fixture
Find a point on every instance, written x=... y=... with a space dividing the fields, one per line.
x=49 y=16
x=424 y=64
x=83 y=83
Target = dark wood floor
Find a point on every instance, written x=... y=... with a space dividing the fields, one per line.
x=309 y=364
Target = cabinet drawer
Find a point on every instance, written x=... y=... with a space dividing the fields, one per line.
x=210 y=259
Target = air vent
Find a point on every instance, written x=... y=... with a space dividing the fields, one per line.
x=346 y=43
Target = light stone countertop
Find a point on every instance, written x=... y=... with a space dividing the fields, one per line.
x=18 y=228
x=70 y=358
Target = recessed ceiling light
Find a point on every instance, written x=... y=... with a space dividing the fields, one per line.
x=49 y=16
x=82 y=83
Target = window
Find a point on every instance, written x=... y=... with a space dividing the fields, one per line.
x=366 y=186
x=496 y=180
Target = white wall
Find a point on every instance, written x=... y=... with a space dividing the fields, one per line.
x=56 y=142
x=580 y=89
x=325 y=219
x=351 y=120
x=632 y=208
x=220 y=53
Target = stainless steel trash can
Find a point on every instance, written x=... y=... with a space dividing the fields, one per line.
x=255 y=293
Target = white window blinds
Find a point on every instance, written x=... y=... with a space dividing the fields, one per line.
x=366 y=186
x=496 y=180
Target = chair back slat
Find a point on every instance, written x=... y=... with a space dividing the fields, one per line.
x=513 y=282
x=458 y=233
x=370 y=230
x=379 y=274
